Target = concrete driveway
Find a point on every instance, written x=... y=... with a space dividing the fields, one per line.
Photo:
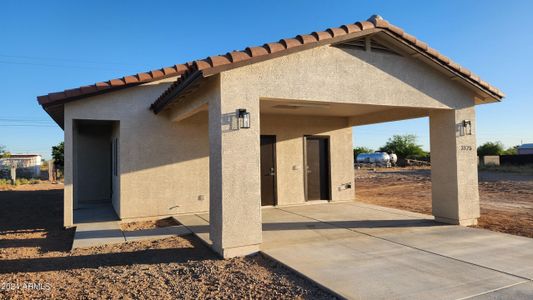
x=361 y=251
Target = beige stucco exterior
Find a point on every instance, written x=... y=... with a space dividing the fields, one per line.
x=159 y=162
x=192 y=158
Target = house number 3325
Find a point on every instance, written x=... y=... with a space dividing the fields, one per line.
x=466 y=148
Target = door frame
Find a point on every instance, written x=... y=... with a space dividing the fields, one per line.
x=328 y=147
x=275 y=159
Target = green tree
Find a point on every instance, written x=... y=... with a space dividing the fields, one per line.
x=511 y=151
x=58 y=154
x=358 y=150
x=490 y=148
x=4 y=152
x=404 y=146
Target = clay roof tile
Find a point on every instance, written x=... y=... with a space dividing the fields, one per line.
x=87 y=89
x=365 y=25
x=306 y=38
x=237 y=56
x=216 y=61
x=421 y=45
x=144 y=76
x=351 y=28
x=336 y=31
x=274 y=47
x=290 y=43
x=116 y=82
x=130 y=79
x=322 y=35
x=102 y=85
x=256 y=51
x=73 y=92
x=201 y=64
x=168 y=70
x=156 y=74
x=395 y=29
x=56 y=96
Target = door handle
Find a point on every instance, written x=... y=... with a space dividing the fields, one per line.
x=272 y=172
x=307 y=169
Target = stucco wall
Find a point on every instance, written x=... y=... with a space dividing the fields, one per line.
x=332 y=74
x=454 y=177
x=289 y=132
x=163 y=165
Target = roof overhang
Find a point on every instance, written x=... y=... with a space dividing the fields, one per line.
x=190 y=75
x=217 y=64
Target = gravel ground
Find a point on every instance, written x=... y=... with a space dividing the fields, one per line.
x=35 y=262
x=140 y=225
x=506 y=199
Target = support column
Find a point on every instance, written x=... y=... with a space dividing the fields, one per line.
x=454 y=178
x=68 y=173
x=234 y=178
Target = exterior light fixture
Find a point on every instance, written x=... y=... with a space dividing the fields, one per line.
x=243 y=118
x=467 y=127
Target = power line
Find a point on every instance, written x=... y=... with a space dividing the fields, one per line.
x=26 y=125
x=59 y=66
x=67 y=59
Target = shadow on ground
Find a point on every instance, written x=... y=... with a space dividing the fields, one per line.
x=34 y=213
x=144 y=256
x=31 y=227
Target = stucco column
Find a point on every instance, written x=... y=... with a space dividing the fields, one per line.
x=455 y=195
x=68 y=173
x=234 y=179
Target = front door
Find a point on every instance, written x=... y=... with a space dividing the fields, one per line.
x=317 y=168
x=268 y=170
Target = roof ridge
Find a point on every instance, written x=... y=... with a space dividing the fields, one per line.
x=267 y=50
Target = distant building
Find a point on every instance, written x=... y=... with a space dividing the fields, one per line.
x=28 y=165
x=525 y=149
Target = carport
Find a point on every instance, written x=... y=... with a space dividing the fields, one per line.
x=271 y=126
x=304 y=103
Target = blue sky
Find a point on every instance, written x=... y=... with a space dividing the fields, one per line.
x=48 y=46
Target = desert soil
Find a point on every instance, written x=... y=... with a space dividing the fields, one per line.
x=150 y=224
x=506 y=198
x=35 y=262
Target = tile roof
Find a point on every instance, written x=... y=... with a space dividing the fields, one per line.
x=191 y=71
x=215 y=64
x=113 y=84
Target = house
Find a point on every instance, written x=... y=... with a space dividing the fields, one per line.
x=28 y=165
x=268 y=125
x=525 y=149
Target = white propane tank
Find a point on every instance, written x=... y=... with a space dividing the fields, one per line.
x=378 y=158
x=393 y=159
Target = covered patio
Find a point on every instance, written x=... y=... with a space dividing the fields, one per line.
x=267 y=126
x=362 y=251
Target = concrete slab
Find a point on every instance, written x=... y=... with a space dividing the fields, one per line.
x=521 y=291
x=361 y=251
x=97 y=234
x=358 y=266
x=197 y=224
x=95 y=213
x=494 y=250
x=155 y=233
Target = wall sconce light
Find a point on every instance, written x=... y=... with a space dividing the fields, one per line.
x=243 y=118
x=467 y=127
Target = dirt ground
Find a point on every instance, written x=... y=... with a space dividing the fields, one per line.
x=506 y=198
x=140 y=225
x=35 y=262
